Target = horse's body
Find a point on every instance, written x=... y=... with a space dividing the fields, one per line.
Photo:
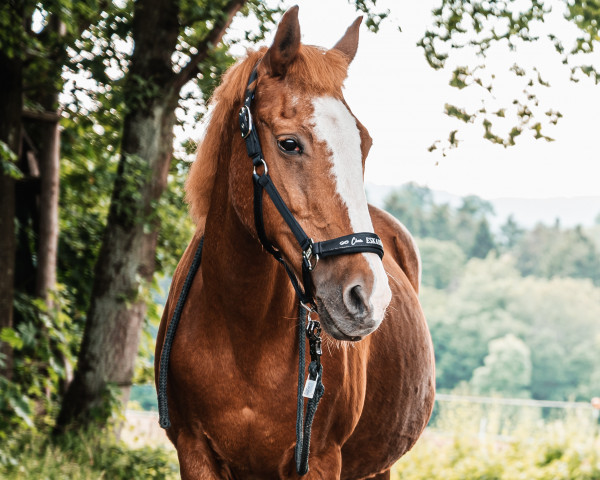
x=233 y=371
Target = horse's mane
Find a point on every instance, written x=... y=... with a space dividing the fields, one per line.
x=314 y=70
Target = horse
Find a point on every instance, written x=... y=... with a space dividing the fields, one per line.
x=232 y=370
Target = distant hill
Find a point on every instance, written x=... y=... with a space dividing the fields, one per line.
x=570 y=211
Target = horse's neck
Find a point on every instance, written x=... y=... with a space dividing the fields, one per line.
x=243 y=282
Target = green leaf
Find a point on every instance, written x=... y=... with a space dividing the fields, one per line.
x=11 y=337
x=21 y=409
x=7 y=162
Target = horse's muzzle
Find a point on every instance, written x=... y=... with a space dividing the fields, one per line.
x=352 y=301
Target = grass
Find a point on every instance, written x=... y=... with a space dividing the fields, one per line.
x=464 y=442
x=500 y=449
x=83 y=457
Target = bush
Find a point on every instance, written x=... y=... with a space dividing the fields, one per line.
x=84 y=457
x=566 y=449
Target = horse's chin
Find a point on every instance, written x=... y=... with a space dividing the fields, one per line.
x=341 y=327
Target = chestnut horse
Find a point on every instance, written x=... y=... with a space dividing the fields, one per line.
x=232 y=373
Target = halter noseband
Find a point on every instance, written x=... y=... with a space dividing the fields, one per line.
x=311 y=251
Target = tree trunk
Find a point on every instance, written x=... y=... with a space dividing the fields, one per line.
x=49 y=159
x=126 y=259
x=11 y=104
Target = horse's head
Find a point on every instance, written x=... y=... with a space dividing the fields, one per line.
x=315 y=150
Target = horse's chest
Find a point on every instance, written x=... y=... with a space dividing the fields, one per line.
x=246 y=405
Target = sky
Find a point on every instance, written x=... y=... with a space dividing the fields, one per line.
x=400 y=99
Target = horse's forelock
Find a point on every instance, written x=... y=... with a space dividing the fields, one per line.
x=318 y=71
x=314 y=71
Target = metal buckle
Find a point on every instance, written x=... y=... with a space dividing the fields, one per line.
x=308 y=254
x=245 y=111
x=264 y=166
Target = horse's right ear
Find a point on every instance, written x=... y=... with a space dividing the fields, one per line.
x=286 y=44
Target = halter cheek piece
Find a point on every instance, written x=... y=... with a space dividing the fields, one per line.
x=311 y=251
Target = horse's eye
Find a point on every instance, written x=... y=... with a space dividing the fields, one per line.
x=289 y=145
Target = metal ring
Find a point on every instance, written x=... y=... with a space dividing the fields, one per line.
x=264 y=166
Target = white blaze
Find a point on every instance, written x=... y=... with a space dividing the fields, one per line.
x=335 y=125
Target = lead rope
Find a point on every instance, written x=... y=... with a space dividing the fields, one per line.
x=313 y=390
x=163 y=406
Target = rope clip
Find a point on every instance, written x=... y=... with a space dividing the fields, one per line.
x=313 y=332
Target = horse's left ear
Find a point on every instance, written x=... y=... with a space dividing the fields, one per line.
x=348 y=44
x=286 y=44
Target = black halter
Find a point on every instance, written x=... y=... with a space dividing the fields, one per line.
x=311 y=251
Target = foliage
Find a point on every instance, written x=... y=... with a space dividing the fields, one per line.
x=88 y=169
x=7 y=162
x=511 y=233
x=465 y=33
x=506 y=369
x=483 y=243
x=466 y=225
x=518 y=320
x=545 y=251
x=456 y=447
x=411 y=203
x=443 y=262
x=143 y=397
x=83 y=456
x=44 y=340
x=492 y=301
x=563 y=335
x=553 y=252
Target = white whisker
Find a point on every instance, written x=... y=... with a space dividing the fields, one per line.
x=394 y=279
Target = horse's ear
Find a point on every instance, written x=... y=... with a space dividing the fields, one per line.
x=348 y=44
x=286 y=44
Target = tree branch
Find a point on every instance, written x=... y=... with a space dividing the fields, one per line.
x=214 y=37
x=41 y=115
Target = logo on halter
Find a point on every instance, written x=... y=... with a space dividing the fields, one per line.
x=356 y=240
x=376 y=241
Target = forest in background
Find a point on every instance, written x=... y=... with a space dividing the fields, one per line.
x=513 y=312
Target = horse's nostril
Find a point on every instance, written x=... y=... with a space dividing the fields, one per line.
x=355 y=300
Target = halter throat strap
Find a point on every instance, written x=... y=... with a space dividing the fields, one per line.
x=311 y=251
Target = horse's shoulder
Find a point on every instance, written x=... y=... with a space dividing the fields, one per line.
x=399 y=243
